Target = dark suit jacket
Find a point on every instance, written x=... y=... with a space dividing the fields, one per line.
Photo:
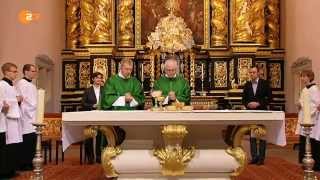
x=89 y=99
x=262 y=96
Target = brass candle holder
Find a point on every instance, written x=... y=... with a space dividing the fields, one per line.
x=308 y=161
x=38 y=159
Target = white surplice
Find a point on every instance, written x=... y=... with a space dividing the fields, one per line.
x=3 y=127
x=12 y=118
x=314 y=92
x=28 y=106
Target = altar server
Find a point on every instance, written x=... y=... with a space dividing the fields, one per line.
x=173 y=86
x=256 y=96
x=122 y=92
x=10 y=122
x=28 y=108
x=307 y=76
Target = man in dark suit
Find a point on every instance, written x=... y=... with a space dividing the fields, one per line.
x=256 y=96
x=91 y=101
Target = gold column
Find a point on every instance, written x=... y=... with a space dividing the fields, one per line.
x=126 y=19
x=73 y=23
x=258 y=21
x=103 y=14
x=219 y=26
x=241 y=18
x=273 y=23
x=86 y=22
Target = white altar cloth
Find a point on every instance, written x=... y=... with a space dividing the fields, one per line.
x=73 y=123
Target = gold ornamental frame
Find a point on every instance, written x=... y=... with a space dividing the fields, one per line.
x=206 y=25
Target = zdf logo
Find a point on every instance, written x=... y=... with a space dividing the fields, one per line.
x=27 y=16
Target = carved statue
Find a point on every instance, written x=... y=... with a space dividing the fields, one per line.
x=219 y=22
x=73 y=25
x=273 y=23
x=102 y=32
x=86 y=22
x=241 y=21
x=126 y=23
x=258 y=21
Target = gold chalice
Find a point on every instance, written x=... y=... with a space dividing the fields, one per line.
x=161 y=99
x=155 y=95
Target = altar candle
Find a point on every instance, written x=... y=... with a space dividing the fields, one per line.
x=306 y=106
x=40 y=105
x=202 y=71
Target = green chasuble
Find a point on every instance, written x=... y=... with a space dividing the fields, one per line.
x=117 y=86
x=177 y=84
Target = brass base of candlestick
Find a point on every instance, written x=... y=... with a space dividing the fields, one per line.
x=38 y=159
x=308 y=162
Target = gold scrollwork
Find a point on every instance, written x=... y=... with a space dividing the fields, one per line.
x=241 y=18
x=258 y=21
x=244 y=65
x=70 y=76
x=273 y=20
x=108 y=154
x=73 y=25
x=102 y=32
x=174 y=160
x=90 y=132
x=262 y=65
x=100 y=65
x=86 y=21
x=231 y=70
x=84 y=74
x=240 y=156
x=220 y=74
x=275 y=75
x=126 y=19
x=219 y=26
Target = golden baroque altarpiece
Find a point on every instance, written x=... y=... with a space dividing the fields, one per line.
x=227 y=37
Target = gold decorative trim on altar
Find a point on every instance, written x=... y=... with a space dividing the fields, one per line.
x=244 y=64
x=275 y=75
x=126 y=23
x=220 y=74
x=84 y=74
x=70 y=75
x=100 y=65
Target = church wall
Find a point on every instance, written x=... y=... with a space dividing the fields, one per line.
x=21 y=43
x=300 y=33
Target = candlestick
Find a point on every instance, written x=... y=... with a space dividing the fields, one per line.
x=40 y=105
x=142 y=73
x=38 y=159
x=202 y=71
x=306 y=106
x=308 y=161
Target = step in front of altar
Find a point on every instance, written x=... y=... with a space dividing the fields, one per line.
x=206 y=164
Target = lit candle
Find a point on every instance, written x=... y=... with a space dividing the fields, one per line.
x=202 y=71
x=40 y=105
x=306 y=106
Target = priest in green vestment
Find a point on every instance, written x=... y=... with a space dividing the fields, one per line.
x=173 y=86
x=122 y=91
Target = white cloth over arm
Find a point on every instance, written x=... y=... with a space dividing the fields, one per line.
x=28 y=106
x=121 y=102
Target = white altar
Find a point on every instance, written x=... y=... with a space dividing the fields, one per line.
x=201 y=130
